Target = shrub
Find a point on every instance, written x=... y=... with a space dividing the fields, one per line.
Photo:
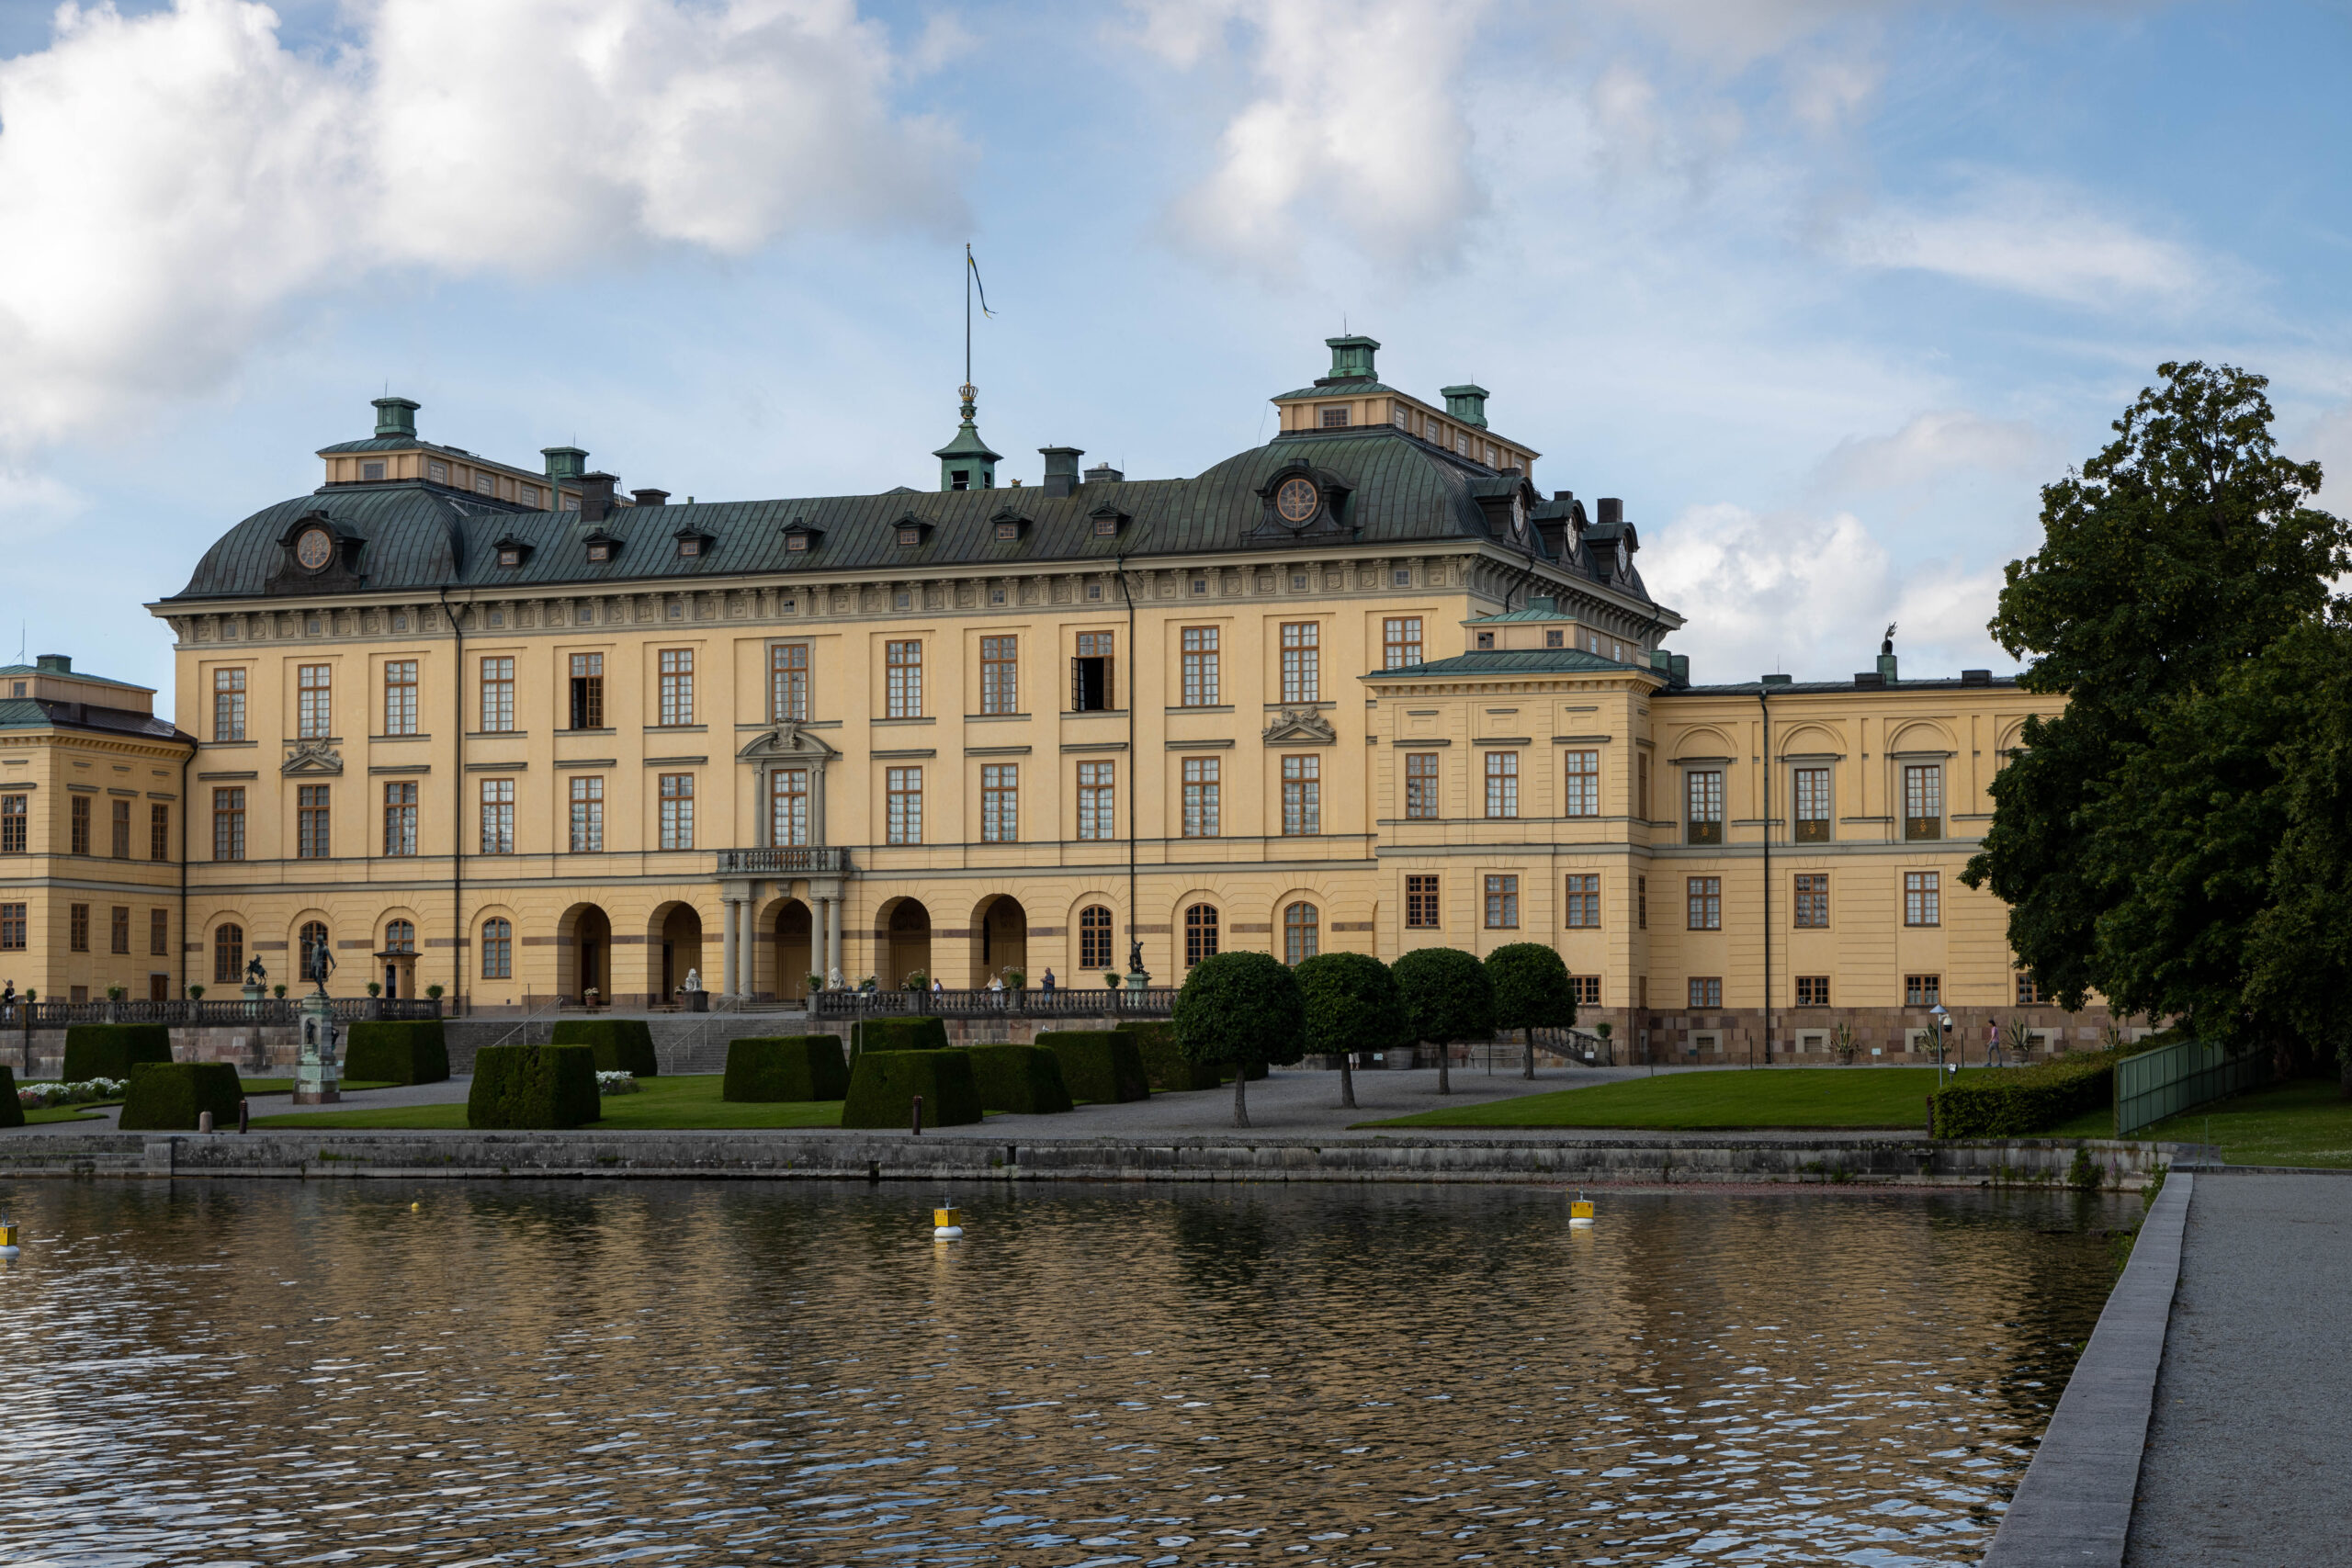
x=520 y=1086
x=1165 y=1067
x=2013 y=1102
x=1448 y=997
x=1019 y=1078
x=1100 y=1064
x=111 y=1050
x=902 y=1034
x=379 y=1052
x=622 y=1045
x=1531 y=988
x=1243 y=1009
x=617 y=1083
x=167 y=1097
x=789 y=1067
x=1352 y=1004
x=883 y=1085
x=12 y=1110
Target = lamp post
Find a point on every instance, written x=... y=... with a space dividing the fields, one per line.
x=1943 y=1032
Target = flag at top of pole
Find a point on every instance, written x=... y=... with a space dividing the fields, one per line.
x=971 y=281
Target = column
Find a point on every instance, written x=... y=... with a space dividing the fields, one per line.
x=747 y=951
x=834 y=937
x=726 y=946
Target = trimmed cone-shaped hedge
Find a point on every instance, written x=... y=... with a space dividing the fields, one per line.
x=111 y=1050
x=380 y=1051
x=167 y=1097
x=12 y=1110
x=1164 y=1066
x=520 y=1087
x=1100 y=1064
x=786 y=1066
x=902 y=1034
x=1019 y=1078
x=622 y=1045
x=2014 y=1103
x=883 y=1085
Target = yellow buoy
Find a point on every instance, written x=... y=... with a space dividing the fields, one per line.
x=413 y=1208
x=1580 y=1213
x=7 y=1238
x=948 y=1224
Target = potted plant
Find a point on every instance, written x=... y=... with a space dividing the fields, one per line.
x=116 y=993
x=1111 y=978
x=196 y=993
x=435 y=994
x=279 y=991
x=918 y=980
x=590 y=996
x=816 y=984
x=1015 y=978
x=374 y=988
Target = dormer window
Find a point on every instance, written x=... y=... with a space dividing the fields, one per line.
x=910 y=533
x=796 y=541
x=1486 y=640
x=1105 y=527
x=1404 y=418
x=1008 y=533
x=1555 y=639
x=371 y=471
x=799 y=538
x=600 y=551
x=1334 y=417
x=437 y=472
x=512 y=551
x=529 y=495
x=689 y=548
x=485 y=485
x=510 y=555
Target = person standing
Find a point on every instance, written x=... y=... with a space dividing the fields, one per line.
x=1050 y=981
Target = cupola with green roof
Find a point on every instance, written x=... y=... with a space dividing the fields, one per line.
x=966 y=462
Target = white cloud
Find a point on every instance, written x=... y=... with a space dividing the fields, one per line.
x=188 y=180
x=1354 y=119
x=1936 y=444
x=1733 y=34
x=2028 y=238
x=2329 y=442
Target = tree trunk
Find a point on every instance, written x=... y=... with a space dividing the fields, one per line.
x=1444 y=1063
x=1348 y=1083
x=1241 y=1095
x=1528 y=1033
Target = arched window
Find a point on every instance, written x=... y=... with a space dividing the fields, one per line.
x=313 y=937
x=228 y=955
x=497 y=950
x=1094 y=937
x=1301 y=933
x=400 y=936
x=1200 y=933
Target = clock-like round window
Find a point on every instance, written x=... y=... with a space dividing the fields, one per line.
x=314 y=549
x=1298 y=501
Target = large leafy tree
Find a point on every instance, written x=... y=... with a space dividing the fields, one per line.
x=1242 y=1010
x=1352 y=1004
x=2173 y=559
x=1447 y=998
x=1531 y=991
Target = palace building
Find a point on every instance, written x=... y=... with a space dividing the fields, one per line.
x=521 y=734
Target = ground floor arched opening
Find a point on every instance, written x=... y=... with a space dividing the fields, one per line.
x=679 y=952
x=585 y=948
x=905 y=942
x=1000 y=939
x=795 y=949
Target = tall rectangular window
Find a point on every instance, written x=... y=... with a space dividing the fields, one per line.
x=498 y=694
x=999 y=803
x=1706 y=903
x=1302 y=794
x=677 y=676
x=1200 y=933
x=228 y=822
x=399 y=817
x=1302 y=661
x=677 y=811
x=159 y=933
x=1706 y=991
x=118 y=930
x=1923 y=990
x=12 y=928
x=159 y=831
x=1703 y=790
x=1420 y=784
x=79 y=814
x=1094 y=938
x=1812 y=806
x=1097 y=806
x=1584 y=901
x=313 y=715
x=902 y=675
x=399 y=696
x=497 y=949
x=904 y=787
x=1502 y=903
x=1200 y=805
x=77 y=927
x=310 y=822
x=228 y=704
x=788 y=681
x=1000 y=674
x=587 y=815
x=587 y=690
x=1400 y=642
x=498 y=816
x=1642 y=785
x=1422 y=909
x=1200 y=667
x=1813 y=900
x=788 y=806
x=1502 y=784
x=1923 y=801
x=118 y=813
x=1923 y=898
x=15 y=817
x=1641 y=903
x=1584 y=784
x=1090 y=688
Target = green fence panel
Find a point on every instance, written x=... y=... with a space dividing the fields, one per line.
x=2173 y=1078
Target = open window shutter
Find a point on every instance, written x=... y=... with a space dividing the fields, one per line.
x=1078 y=685
x=1110 y=699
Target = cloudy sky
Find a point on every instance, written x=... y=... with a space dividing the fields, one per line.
x=1824 y=289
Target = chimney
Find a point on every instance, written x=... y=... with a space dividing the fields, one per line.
x=1886 y=668
x=396 y=417
x=565 y=462
x=649 y=497
x=1467 y=402
x=596 y=496
x=1678 y=667
x=1061 y=468
x=1103 y=473
x=1612 y=509
x=1977 y=677
x=53 y=664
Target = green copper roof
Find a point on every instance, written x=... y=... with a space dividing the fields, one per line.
x=1517 y=662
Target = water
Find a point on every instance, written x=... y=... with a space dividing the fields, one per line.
x=256 y=1373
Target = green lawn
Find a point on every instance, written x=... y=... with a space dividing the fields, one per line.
x=67 y=1112
x=659 y=1103
x=1783 y=1096
x=2304 y=1122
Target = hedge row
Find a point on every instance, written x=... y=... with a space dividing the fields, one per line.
x=787 y=1066
x=902 y=1034
x=883 y=1085
x=1100 y=1064
x=381 y=1052
x=111 y=1050
x=168 y=1097
x=1019 y=1078
x=622 y=1045
x=519 y=1086
x=2013 y=1103
x=1165 y=1067
x=12 y=1110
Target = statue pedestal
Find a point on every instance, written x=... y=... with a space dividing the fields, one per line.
x=318 y=1074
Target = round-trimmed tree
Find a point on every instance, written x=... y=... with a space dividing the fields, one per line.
x=1447 y=998
x=1531 y=991
x=1352 y=1004
x=1241 y=1009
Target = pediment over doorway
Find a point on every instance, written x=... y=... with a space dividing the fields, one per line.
x=786 y=740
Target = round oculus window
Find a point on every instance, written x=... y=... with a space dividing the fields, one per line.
x=314 y=549
x=1298 y=501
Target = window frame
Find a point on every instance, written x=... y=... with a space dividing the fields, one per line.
x=1424 y=904
x=1703 y=793
x=1921 y=991
x=999 y=803
x=1582 y=788
x=399 y=819
x=1201 y=785
x=1502 y=901
x=1810 y=788
x=229 y=686
x=497 y=948
x=1302 y=661
x=495 y=802
x=1705 y=993
x=1809 y=901
x=1098 y=799
x=902 y=799
x=15 y=824
x=676 y=793
x=313 y=822
x=585 y=796
x=788 y=683
x=1923 y=786
x=228 y=822
x=158 y=830
x=1422 y=792
x=1000 y=673
x=1503 y=785
x=1302 y=932
x=495 y=710
x=228 y=954
x=1301 y=780
x=399 y=696
x=1202 y=933
x=675 y=671
x=313 y=701
x=902 y=678
x=791 y=807
x=1812 y=991
x=587 y=690
x=1096 y=950
x=1582 y=910
x=118 y=829
x=1705 y=910
x=1400 y=642
x=1923 y=899
x=1198 y=650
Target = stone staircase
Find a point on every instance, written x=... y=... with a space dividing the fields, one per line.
x=683 y=1042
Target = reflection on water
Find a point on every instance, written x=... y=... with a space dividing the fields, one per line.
x=730 y=1373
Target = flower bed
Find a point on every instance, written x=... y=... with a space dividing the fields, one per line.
x=610 y=1082
x=41 y=1095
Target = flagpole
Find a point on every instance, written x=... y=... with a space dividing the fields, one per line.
x=968 y=313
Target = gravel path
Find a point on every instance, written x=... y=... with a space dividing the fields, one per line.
x=2246 y=1459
